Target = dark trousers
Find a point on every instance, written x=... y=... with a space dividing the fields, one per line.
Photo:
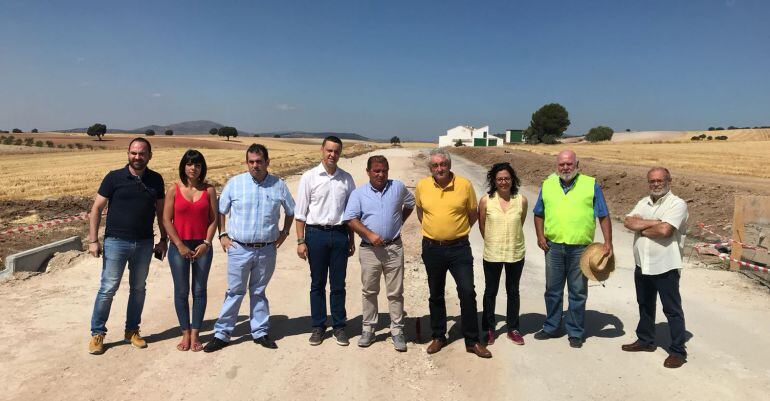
x=458 y=260
x=492 y=272
x=327 y=252
x=648 y=287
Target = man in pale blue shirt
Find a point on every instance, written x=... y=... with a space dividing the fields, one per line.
x=252 y=201
x=376 y=211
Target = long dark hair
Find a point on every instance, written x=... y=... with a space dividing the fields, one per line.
x=194 y=157
x=492 y=174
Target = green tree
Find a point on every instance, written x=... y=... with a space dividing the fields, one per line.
x=149 y=132
x=169 y=132
x=49 y=144
x=16 y=131
x=98 y=130
x=34 y=130
x=550 y=122
x=228 y=132
x=600 y=133
x=213 y=131
x=395 y=141
x=459 y=143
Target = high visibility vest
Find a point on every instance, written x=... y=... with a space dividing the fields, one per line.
x=569 y=218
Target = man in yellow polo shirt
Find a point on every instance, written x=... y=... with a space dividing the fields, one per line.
x=446 y=207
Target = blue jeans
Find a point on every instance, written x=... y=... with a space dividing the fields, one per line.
x=118 y=252
x=562 y=264
x=327 y=252
x=254 y=266
x=180 y=272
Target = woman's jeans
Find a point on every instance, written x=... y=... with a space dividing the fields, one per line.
x=180 y=272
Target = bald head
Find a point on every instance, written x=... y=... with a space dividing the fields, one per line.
x=567 y=165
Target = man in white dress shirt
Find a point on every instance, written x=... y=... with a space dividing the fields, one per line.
x=660 y=224
x=323 y=239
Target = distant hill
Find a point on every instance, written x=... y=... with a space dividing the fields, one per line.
x=303 y=134
x=202 y=127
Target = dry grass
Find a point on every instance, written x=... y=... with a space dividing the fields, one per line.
x=51 y=175
x=734 y=158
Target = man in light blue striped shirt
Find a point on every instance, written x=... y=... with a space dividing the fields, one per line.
x=250 y=209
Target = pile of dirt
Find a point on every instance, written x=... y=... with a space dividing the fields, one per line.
x=710 y=197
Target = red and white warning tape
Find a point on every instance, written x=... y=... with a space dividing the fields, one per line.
x=752 y=266
x=45 y=224
x=727 y=240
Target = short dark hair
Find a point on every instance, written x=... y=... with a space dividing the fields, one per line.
x=332 y=138
x=492 y=178
x=140 y=139
x=257 y=148
x=376 y=159
x=192 y=156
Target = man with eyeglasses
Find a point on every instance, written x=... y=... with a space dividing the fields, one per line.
x=659 y=223
x=447 y=208
x=565 y=221
x=135 y=197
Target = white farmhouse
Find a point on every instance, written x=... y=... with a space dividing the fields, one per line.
x=469 y=136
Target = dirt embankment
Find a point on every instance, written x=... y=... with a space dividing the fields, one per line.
x=710 y=197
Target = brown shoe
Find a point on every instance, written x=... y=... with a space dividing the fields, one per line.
x=133 y=337
x=638 y=346
x=674 y=361
x=436 y=345
x=96 y=345
x=480 y=350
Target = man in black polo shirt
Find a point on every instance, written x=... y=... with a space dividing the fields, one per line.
x=135 y=195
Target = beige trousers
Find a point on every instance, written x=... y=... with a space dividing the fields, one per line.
x=377 y=261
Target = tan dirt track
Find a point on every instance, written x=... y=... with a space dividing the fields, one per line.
x=44 y=331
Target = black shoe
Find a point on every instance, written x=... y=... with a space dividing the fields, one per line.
x=317 y=337
x=544 y=335
x=215 y=345
x=266 y=342
x=341 y=337
x=575 y=342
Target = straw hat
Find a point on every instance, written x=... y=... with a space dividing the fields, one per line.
x=594 y=265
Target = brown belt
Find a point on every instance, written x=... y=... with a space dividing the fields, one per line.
x=434 y=242
x=384 y=243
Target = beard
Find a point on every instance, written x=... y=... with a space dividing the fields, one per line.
x=659 y=192
x=567 y=177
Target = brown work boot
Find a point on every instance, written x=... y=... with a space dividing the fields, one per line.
x=674 y=361
x=96 y=345
x=436 y=345
x=133 y=337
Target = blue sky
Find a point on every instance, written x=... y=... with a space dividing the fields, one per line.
x=383 y=68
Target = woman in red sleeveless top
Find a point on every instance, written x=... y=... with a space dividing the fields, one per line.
x=190 y=216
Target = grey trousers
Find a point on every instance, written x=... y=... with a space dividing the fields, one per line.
x=385 y=261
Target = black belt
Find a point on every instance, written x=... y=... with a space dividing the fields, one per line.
x=253 y=244
x=434 y=242
x=327 y=227
x=384 y=243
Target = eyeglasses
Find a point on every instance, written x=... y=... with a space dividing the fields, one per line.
x=657 y=182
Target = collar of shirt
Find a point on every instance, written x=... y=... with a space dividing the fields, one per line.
x=567 y=187
x=321 y=170
x=449 y=186
x=384 y=190
x=265 y=181
x=129 y=175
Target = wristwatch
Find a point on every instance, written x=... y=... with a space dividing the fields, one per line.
x=300 y=241
x=224 y=234
x=207 y=242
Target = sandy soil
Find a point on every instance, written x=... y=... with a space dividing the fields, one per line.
x=44 y=324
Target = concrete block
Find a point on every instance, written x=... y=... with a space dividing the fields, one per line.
x=36 y=259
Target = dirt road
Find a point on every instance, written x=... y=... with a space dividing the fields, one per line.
x=44 y=331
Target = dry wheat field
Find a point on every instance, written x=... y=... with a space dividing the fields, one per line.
x=79 y=172
x=732 y=158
